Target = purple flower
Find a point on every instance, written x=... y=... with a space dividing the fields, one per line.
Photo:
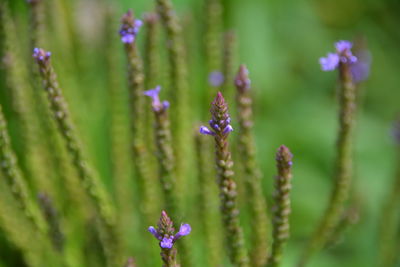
x=185 y=229
x=166 y=237
x=242 y=80
x=220 y=125
x=205 y=130
x=342 y=46
x=228 y=129
x=216 y=78
x=330 y=62
x=127 y=38
x=154 y=232
x=41 y=55
x=343 y=54
x=167 y=242
x=129 y=28
x=156 y=103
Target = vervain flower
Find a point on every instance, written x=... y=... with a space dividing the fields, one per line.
x=165 y=231
x=130 y=28
x=343 y=54
x=216 y=78
x=40 y=54
x=219 y=124
x=156 y=103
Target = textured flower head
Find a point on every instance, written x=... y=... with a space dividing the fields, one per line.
x=242 y=80
x=284 y=161
x=41 y=55
x=284 y=157
x=343 y=55
x=156 y=103
x=167 y=242
x=129 y=28
x=216 y=78
x=220 y=123
x=165 y=231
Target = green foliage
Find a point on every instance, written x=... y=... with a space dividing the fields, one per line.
x=294 y=104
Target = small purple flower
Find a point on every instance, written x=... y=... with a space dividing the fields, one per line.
x=41 y=55
x=166 y=237
x=330 y=62
x=343 y=54
x=167 y=242
x=156 y=103
x=185 y=229
x=216 y=78
x=130 y=28
x=220 y=125
x=242 y=80
x=154 y=232
x=228 y=129
x=205 y=130
x=343 y=45
x=127 y=38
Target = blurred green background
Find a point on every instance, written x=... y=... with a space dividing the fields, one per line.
x=295 y=104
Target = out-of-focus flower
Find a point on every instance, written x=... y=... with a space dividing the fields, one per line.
x=156 y=103
x=129 y=28
x=343 y=54
x=216 y=78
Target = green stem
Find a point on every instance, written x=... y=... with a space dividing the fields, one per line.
x=343 y=165
x=281 y=208
x=14 y=177
x=252 y=174
x=179 y=88
x=93 y=186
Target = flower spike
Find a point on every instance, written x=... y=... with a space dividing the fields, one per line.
x=129 y=28
x=343 y=54
x=165 y=234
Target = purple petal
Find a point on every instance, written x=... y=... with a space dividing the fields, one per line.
x=185 y=229
x=128 y=38
x=330 y=62
x=205 y=130
x=166 y=242
x=216 y=78
x=342 y=46
x=154 y=232
x=228 y=129
x=153 y=92
x=165 y=104
x=138 y=23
